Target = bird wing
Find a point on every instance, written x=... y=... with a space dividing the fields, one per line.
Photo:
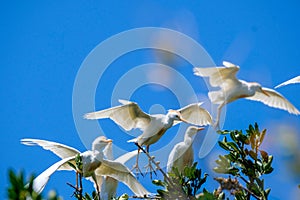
x=218 y=75
x=275 y=100
x=173 y=156
x=121 y=173
x=41 y=180
x=108 y=188
x=126 y=157
x=128 y=116
x=195 y=114
x=291 y=81
x=61 y=150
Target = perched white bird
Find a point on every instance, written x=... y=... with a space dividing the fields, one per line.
x=291 y=81
x=130 y=116
x=233 y=89
x=182 y=154
x=94 y=164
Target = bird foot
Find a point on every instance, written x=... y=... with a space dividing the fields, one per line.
x=150 y=169
x=137 y=170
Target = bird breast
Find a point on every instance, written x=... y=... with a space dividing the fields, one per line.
x=149 y=138
x=91 y=160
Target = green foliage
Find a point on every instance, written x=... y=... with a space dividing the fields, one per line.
x=245 y=160
x=20 y=190
x=181 y=185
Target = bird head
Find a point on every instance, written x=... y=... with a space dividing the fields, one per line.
x=257 y=87
x=175 y=115
x=192 y=130
x=100 y=143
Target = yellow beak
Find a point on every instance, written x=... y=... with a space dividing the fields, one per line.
x=200 y=128
x=109 y=140
x=183 y=120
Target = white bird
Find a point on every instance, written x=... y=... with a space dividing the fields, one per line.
x=291 y=81
x=94 y=165
x=233 y=89
x=130 y=116
x=182 y=154
x=109 y=185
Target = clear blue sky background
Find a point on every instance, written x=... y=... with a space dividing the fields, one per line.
x=43 y=44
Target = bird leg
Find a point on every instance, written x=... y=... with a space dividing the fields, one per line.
x=149 y=166
x=76 y=180
x=136 y=166
x=97 y=186
x=216 y=124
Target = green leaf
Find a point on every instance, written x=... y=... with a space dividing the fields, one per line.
x=253 y=155
x=233 y=146
x=260 y=183
x=233 y=136
x=158 y=183
x=224 y=145
x=233 y=171
x=267 y=191
x=264 y=155
x=256 y=127
x=223 y=132
x=262 y=135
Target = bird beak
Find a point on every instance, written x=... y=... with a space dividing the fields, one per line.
x=200 y=128
x=265 y=93
x=109 y=140
x=183 y=120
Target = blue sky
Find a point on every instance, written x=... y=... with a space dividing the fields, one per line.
x=44 y=43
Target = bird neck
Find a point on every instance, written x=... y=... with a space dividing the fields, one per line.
x=188 y=140
x=253 y=87
x=98 y=154
x=168 y=121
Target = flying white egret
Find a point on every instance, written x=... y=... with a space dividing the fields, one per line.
x=291 y=81
x=130 y=116
x=182 y=154
x=94 y=164
x=233 y=89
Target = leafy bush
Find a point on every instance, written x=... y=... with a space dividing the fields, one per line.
x=242 y=167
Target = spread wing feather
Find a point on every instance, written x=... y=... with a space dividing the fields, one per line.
x=275 y=100
x=218 y=75
x=291 y=81
x=61 y=150
x=128 y=116
x=195 y=114
x=121 y=173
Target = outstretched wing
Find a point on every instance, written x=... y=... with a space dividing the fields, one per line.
x=61 y=150
x=219 y=75
x=121 y=173
x=126 y=157
x=128 y=116
x=291 y=81
x=41 y=180
x=195 y=114
x=275 y=100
